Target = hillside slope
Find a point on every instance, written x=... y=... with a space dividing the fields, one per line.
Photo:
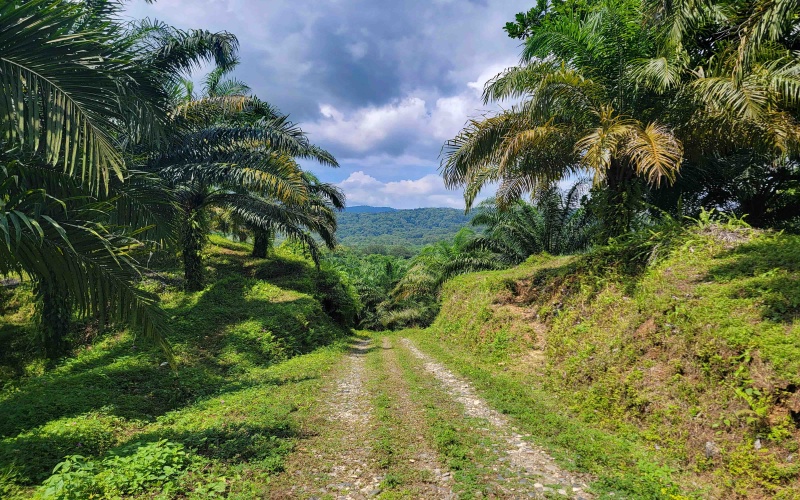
x=694 y=357
x=366 y=209
x=221 y=425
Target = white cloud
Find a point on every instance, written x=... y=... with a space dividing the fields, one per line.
x=487 y=74
x=387 y=161
x=383 y=98
x=450 y=114
x=416 y=125
x=428 y=191
x=366 y=128
x=358 y=50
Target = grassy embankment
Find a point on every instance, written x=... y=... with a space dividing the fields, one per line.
x=221 y=425
x=675 y=377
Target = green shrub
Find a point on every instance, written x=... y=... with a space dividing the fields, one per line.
x=337 y=295
x=35 y=452
x=132 y=470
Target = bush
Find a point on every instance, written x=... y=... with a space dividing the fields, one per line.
x=130 y=471
x=337 y=295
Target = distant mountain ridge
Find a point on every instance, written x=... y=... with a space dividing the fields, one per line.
x=408 y=227
x=366 y=209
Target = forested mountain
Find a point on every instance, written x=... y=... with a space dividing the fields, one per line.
x=419 y=226
x=364 y=209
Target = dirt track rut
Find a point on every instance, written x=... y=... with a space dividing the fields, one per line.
x=369 y=438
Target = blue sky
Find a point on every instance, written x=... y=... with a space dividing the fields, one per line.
x=380 y=84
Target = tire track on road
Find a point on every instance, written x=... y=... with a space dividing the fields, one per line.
x=536 y=464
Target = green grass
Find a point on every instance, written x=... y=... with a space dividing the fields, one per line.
x=619 y=464
x=396 y=432
x=250 y=364
x=700 y=346
x=659 y=378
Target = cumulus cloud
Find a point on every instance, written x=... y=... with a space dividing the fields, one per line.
x=366 y=129
x=416 y=125
x=408 y=126
x=427 y=191
x=379 y=84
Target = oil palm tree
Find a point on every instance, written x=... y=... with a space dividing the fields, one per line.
x=61 y=107
x=316 y=216
x=555 y=223
x=581 y=110
x=733 y=71
x=74 y=93
x=302 y=222
x=414 y=299
x=234 y=152
x=735 y=68
x=209 y=169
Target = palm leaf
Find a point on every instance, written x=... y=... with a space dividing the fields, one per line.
x=60 y=89
x=655 y=152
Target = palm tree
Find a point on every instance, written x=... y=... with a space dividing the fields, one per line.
x=61 y=106
x=78 y=256
x=75 y=91
x=733 y=71
x=235 y=152
x=581 y=110
x=414 y=299
x=555 y=223
x=315 y=216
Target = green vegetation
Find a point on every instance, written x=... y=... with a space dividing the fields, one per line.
x=620 y=465
x=555 y=223
x=235 y=153
x=397 y=293
x=640 y=338
x=636 y=93
x=372 y=277
x=682 y=341
x=464 y=451
x=399 y=228
x=223 y=423
x=107 y=153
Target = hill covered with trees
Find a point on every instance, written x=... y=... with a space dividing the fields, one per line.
x=366 y=209
x=416 y=227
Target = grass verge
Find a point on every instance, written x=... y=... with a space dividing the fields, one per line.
x=681 y=345
x=621 y=466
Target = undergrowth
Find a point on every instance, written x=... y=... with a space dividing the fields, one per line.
x=114 y=420
x=684 y=340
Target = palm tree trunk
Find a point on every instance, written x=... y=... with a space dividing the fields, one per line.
x=55 y=315
x=262 y=243
x=193 y=236
x=621 y=200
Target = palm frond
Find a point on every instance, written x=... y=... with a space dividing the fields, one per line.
x=72 y=246
x=59 y=91
x=655 y=152
x=172 y=51
x=661 y=74
x=517 y=81
x=602 y=144
x=768 y=21
x=267 y=215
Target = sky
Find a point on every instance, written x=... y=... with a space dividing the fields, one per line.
x=381 y=84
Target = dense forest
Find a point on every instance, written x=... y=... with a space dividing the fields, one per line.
x=411 y=228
